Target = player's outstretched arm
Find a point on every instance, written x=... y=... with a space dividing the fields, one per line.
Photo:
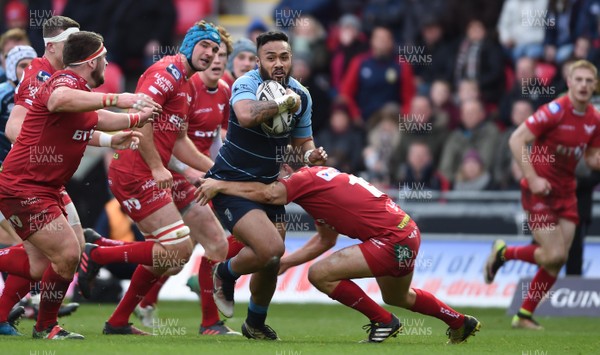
x=112 y=121
x=274 y=193
x=119 y=140
x=518 y=142
x=64 y=99
x=15 y=121
x=324 y=240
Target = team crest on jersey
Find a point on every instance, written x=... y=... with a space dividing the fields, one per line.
x=221 y=107
x=43 y=76
x=553 y=107
x=172 y=69
x=589 y=129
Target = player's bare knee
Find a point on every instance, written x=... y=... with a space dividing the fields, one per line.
x=316 y=275
x=216 y=251
x=266 y=252
x=273 y=264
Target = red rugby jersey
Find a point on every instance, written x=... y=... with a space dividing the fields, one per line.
x=349 y=204
x=166 y=83
x=34 y=76
x=209 y=110
x=50 y=145
x=562 y=135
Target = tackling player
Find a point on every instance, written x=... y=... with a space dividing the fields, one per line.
x=49 y=148
x=560 y=133
x=249 y=154
x=343 y=203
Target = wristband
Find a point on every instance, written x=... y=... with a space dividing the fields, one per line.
x=306 y=155
x=105 y=140
x=109 y=100
x=134 y=119
x=285 y=102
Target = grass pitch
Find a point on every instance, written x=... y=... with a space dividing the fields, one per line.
x=309 y=329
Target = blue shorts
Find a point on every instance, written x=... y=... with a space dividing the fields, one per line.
x=231 y=209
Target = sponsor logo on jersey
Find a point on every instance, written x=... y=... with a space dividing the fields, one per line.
x=154 y=90
x=42 y=76
x=203 y=110
x=553 y=107
x=172 y=69
x=589 y=129
x=163 y=83
x=205 y=134
x=30 y=201
x=566 y=127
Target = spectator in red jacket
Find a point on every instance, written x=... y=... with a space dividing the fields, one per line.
x=377 y=78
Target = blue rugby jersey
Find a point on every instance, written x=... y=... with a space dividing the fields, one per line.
x=249 y=154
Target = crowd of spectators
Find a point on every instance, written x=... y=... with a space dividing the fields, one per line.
x=405 y=91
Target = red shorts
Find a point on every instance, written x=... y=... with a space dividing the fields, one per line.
x=393 y=254
x=543 y=212
x=182 y=191
x=30 y=211
x=138 y=195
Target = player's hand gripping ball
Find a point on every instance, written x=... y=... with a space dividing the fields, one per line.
x=280 y=123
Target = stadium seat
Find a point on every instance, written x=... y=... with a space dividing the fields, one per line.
x=545 y=72
x=189 y=12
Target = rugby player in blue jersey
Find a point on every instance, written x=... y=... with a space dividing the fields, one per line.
x=250 y=154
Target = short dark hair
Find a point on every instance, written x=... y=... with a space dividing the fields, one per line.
x=57 y=24
x=270 y=36
x=81 y=45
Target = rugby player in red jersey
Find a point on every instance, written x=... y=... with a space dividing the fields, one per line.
x=560 y=133
x=142 y=183
x=55 y=30
x=208 y=118
x=55 y=133
x=342 y=203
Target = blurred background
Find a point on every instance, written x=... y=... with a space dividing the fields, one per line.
x=419 y=97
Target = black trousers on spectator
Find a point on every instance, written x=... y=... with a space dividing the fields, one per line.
x=585 y=189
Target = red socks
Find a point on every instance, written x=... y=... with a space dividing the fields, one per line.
x=524 y=253
x=428 y=304
x=135 y=253
x=152 y=296
x=541 y=283
x=14 y=261
x=234 y=247
x=349 y=294
x=53 y=289
x=105 y=242
x=15 y=288
x=210 y=314
x=141 y=282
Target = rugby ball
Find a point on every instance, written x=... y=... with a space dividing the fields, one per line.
x=280 y=124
